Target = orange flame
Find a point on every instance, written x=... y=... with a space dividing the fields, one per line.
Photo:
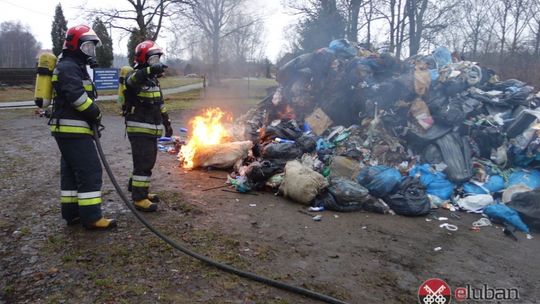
x=207 y=130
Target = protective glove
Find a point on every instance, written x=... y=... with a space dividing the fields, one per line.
x=168 y=131
x=157 y=68
x=167 y=124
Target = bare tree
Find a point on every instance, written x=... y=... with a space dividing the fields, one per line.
x=521 y=14
x=534 y=26
x=502 y=14
x=148 y=15
x=214 y=19
x=426 y=19
x=352 y=12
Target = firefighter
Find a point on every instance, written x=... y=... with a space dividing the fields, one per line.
x=145 y=115
x=74 y=114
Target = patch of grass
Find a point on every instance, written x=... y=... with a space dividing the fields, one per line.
x=178 y=101
x=25 y=231
x=176 y=81
x=26 y=92
x=106 y=282
x=16 y=93
x=9 y=289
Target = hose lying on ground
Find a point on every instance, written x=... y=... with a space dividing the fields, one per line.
x=227 y=268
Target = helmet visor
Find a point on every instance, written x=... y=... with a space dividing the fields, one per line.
x=153 y=59
x=89 y=48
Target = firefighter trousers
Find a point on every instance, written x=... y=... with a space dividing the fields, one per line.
x=144 y=152
x=80 y=179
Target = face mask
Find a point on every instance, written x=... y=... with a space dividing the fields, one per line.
x=153 y=59
x=89 y=48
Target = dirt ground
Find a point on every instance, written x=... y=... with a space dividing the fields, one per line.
x=356 y=257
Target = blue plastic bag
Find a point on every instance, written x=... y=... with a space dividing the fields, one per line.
x=442 y=57
x=434 y=181
x=529 y=178
x=501 y=212
x=495 y=183
x=379 y=180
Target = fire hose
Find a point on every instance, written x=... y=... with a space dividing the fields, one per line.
x=251 y=276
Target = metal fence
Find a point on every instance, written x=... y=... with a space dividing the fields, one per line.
x=12 y=76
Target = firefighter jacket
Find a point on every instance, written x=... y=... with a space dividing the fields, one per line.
x=144 y=109
x=74 y=109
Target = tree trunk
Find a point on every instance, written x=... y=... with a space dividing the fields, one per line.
x=214 y=75
x=392 y=25
x=411 y=14
x=352 y=33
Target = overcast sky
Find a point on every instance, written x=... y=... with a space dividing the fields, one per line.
x=38 y=16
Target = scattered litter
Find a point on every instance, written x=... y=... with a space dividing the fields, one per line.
x=437 y=248
x=442 y=218
x=317 y=218
x=316 y=209
x=449 y=227
x=253 y=205
x=482 y=222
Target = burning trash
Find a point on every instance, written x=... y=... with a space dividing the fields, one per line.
x=209 y=144
x=374 y=133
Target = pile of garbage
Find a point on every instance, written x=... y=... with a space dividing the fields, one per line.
x=370 y=132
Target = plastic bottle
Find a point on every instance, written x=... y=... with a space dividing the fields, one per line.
x=281 y=140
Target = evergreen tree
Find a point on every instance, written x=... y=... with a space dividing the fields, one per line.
x=104 y=53
x=58 y=31
x=135 y=38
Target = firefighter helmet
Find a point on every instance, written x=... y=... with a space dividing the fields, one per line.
x=77 y=36
x=144 y=51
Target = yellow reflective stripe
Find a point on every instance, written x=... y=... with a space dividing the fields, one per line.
x=89 y=201
x=164 y=109
x=88 y=88
x=135 y=183
x=54 y=77
x=144 y=130
x=149 y=94
x=85 y=105
x=68 y=199
x=70 y=129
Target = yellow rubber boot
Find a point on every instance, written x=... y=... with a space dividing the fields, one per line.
x=145 y=205
x=102 y=224
x=154 y=198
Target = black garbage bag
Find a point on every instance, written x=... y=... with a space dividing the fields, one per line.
x=487 y=139
x=285 y=151
x=504 y=85
x=527 y=204
x=346 y=190
x=258 y=172
x=449 y=113
x=343 y=195
x=456 y=153
x=307 y=143
x=518 y=96
x=285 y=130
x=454 y=86
x=410 y=198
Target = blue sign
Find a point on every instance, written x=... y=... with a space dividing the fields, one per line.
x=106 y=79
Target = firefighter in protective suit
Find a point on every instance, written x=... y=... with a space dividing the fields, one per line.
x=145 y=115
x=74 y=114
